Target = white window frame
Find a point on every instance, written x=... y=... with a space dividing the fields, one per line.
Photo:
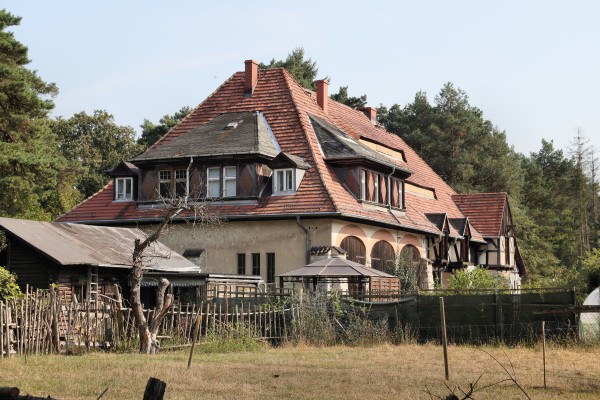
x=228 y=178
x=211 y=181
x=401 y=194
x=121 y=193
x=363 y=184
x=289 y=185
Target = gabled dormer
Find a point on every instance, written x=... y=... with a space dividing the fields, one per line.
x=126 y=177
x=287 y=173
x=441 y=246
x=372 y=177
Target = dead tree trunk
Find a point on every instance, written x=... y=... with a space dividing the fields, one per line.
x=147 y=334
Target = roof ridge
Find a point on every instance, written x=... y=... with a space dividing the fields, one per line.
x=288 y=79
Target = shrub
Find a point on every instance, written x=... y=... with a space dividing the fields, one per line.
x=8 y=285
x=478 y=278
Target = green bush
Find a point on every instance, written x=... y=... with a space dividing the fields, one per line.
x=478 y=278
x=8 y=285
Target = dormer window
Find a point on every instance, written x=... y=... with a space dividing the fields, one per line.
x=225 y=178
x=380 y=189
x=172 y=183
x=180 y=182
x=283 y=181
x=288 y=172
x=229 y=181
x=124 y=189
x=164 y=184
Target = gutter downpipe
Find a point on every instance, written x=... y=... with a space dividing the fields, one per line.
x=389 y=195
x=307 y=257
x=187 y=175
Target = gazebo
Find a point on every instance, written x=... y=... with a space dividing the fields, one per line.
x=357 y=277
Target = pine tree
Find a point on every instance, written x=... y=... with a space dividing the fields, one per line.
x=35 y=180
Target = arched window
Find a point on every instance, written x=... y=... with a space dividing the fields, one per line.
x=409 y=251
x=409 y=268
x=355 y=248
x=383 y=256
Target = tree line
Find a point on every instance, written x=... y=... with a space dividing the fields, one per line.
x=48 y=165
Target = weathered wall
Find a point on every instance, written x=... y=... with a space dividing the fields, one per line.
x=222 y=243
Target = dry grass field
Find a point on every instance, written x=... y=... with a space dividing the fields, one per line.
x=381 y=372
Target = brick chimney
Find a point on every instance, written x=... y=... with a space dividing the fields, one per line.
x=323 y=94
x=250 y=77
x=370 y=112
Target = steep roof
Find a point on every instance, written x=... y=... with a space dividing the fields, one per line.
x=296 y=121
x=228 y=134
x=77 y=244
x=484 y=210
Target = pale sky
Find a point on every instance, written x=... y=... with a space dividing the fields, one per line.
x=532 y=67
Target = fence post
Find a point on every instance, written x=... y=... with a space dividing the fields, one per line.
x=498 y=320
x=544 y=349
x=444 y=337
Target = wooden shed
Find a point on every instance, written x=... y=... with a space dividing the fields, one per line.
x=84 y=261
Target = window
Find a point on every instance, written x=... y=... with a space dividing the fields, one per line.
x=227 y=187
x=229 y=181
x=378 y=188
x=363 y=184
x=213 y=182
x=180 y=183
x=375 y=198
x=241 y=264
x=164 y=183
x=255 y=263
x=124 y=189
x=283 y=181
x=270 y=267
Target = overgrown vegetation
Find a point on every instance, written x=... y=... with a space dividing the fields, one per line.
x=477 y=278
x=327 y=320
x=8 y=285
x=239 y=337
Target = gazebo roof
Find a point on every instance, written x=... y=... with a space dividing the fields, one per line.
x=335 y=267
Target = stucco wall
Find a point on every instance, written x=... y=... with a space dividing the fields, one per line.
x=222 y=243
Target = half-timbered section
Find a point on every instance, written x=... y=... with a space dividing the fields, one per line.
x=288 y=170
x=490 y=214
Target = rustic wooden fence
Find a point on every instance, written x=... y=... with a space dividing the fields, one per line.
x=41 y=322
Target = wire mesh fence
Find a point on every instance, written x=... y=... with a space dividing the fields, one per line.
x=41 y=323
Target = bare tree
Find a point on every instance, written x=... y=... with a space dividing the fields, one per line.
x=149 y=343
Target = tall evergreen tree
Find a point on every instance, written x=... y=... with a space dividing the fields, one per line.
x=303 y=71
x=458 y=143
x=351 y=101
x=36 y=181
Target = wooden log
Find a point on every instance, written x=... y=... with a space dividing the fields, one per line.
x=155 y=389
x=2 y=322
x=9 y=392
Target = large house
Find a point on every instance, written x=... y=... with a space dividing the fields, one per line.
x=294 y=175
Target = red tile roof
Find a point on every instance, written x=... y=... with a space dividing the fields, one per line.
x=484 y=210
x=286 y=106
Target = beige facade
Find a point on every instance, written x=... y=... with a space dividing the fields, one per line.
x=221 y=244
